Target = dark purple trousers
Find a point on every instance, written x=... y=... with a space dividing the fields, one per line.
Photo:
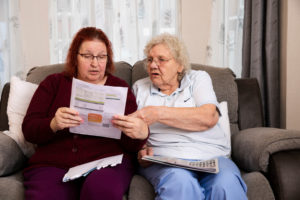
x=109 y=183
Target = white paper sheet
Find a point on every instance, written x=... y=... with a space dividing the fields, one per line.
x=84 y=169
x=97 y=104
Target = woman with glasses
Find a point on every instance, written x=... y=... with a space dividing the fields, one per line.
x=180 y=107
x=49 y=118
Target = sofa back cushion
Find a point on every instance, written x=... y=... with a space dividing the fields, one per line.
x=223 y=80
x=39 y=73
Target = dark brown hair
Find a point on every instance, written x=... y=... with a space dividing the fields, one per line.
x=84 y=34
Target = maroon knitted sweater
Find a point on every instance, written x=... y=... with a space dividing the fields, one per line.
x=64 y=149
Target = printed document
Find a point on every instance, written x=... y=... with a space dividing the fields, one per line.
x=97 y=104
x=84 y=169
x=210 y=166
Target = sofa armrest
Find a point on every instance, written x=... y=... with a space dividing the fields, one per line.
x=251 y=148
x=3 y=107
x=250 y=104
x=284 y=173
x=12 y=158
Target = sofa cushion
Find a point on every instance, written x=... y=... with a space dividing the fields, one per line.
x=11 y=157
x=258 y=186
x=224 y=121
x=39 y=73
x=20 y=95
x=139 y=71
x=123 y=71
x=140 y=188
x=223 y=80
x=11 y=187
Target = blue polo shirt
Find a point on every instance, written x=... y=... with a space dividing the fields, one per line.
x=195 y=90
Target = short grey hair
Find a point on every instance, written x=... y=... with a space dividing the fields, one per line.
x=176 y=46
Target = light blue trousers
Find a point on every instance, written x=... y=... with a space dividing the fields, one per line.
x=181 y=184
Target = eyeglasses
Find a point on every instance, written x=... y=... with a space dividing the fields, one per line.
x=90 y=57
x=158 y=61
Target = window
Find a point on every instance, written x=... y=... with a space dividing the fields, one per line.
x=3 y=42
x=129 y=24
x=225 y=44
x=10 y=42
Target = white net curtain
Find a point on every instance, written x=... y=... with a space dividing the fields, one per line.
x=11 y=57
x=226 y=34
x=129 y=24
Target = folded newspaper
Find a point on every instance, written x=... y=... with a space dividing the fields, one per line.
x=210 y=166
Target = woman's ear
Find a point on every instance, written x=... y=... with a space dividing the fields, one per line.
x=180 y=72
x=180 y=69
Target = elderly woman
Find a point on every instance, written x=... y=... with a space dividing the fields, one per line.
x=49 y=118
x=180 y=107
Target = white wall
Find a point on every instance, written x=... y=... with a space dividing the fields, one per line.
x=35 y=32
x=290 y=64
x=195 y=27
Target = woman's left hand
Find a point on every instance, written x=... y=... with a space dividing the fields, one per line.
x=149 y=114
x=133 y=127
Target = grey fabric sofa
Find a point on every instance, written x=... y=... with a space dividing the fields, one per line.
x=262 y=154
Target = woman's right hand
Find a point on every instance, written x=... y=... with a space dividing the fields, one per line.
x=145 y=151
x=65 y=118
